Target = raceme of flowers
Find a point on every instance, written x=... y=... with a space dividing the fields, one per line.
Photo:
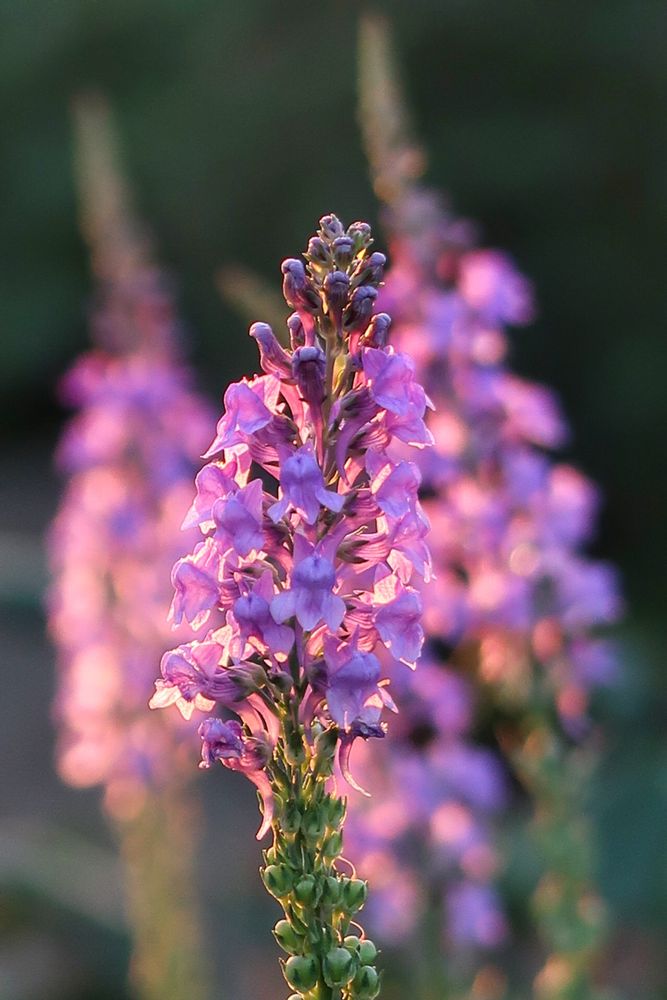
x=129 y=454
x=511 y=586
x=313 y=545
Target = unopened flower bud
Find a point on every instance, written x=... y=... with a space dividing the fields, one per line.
x=333 y=845
x=296 y=331
x=343 y=248
x=273 y=358
x=360 y=307
x=291 y=818
x=247 y=678
x=360 y=233
x=301 y=972
x=294 y=749
x=354 y=894
x=307 y=890
x=370 y=270
x=278 y=880
x=308 y=369
x=336 y=809
x=286 y=937
x=331 y=227
x=297 y=288
x=336 y=286
x=366 y=983
x=352 y=943
x=314 y=826
x=331 y=891
x=339 y=967
x=318 y=252
x=367 y=952
x=377 y=331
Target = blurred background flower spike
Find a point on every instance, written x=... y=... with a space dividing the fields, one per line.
x=128 y=455
x=520 y=607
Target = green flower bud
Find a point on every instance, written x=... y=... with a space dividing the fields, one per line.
x=339 y=966
x=336 y=809
x=294 y=749
x=290 y=820
x=367 y=952
x=278 y=880
x=354 y=894
x=352 y=943
x=331 y=891
x=366 y=983
x=314 y=826
x=301 y=972
x=333 y=845
x=286 y=937
x=307 y=890
x=325 y=748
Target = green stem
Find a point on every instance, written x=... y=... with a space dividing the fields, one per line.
x=325 y=961
x=158 y=849
x=569 y=912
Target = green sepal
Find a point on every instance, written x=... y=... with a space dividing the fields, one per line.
x=355 y=892
x=290 y=819
x=314 y=826
x=332 y=891
x=301 y=972
x=333 y=845
x=278 y=880
x=294 y=749
x=307 y=890
x=367 y=952
x=339 y=966
x=336 y=809
x=366 y=983
x=287 y=937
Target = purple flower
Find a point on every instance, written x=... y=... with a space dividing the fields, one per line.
x=238 y=519
x=129 y=455
x=303 y=490
x=354 y=698
x=398 y=622
x=298 y=560
x=248 y=409
x=195 y=580
x=252 y=613
x=310 y=597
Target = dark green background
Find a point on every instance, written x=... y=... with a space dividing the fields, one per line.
x=546 y=121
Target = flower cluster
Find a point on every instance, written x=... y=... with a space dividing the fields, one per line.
x=129 y=454
x=509 y=522
x=513 y=594
x=313 y=537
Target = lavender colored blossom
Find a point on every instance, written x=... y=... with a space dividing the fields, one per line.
x=512 y=588
x=313 y=567
x=128 y=454
x=285 y=569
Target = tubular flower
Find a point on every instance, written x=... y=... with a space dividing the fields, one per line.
x=313 y=569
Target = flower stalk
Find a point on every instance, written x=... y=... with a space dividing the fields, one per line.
x=305 y=574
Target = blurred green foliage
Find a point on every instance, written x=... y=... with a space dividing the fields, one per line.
x=546 y=121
